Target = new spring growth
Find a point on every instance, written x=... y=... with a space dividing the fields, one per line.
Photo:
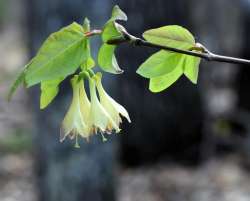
x=68 y=51
x=87 y=117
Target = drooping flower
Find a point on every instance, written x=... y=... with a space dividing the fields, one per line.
x=114 y=109
x=99 y=119
x=85 y=118
x=75 y=120
x=85 y=108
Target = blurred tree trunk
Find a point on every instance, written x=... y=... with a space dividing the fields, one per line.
x=218 y=25
x=65 y=173
x=243 y=83
x=167 y=124
x=184 y=122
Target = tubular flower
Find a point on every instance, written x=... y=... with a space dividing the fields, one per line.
x=99 y=118
x=114 y=109
x=75 y=120
x=84 y=107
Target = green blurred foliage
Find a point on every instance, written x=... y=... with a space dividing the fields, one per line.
x=17 y=142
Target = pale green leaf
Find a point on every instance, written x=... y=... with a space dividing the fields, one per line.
x=60 y=55
x=158 y=84
x=191 y=69
x=158 y=64
x=118 y=14
x=88 y=61
x=110 y=31
x=49 y=90
x=172 y=36
x=86 y=25
x=19 y=80
x=107 y=60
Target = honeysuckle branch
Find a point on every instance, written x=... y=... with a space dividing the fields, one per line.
x=202 y=52
x=68 y=50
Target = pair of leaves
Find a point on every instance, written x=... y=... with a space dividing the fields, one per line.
x=183 y=64
x=60 y=56
x=164 y=68
x=106 y=56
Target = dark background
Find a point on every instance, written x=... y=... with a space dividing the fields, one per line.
x=190 y=142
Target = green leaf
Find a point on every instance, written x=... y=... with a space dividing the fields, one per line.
x=118 y=14
x=107 y=60
x=49 y=90
x=19 y=80
x=191 y=69
x=88 y=61
x=110 y=31
x=158 y=84
x=172 y=36
x=60 y=55
x=86 y=25
x=106 y=56
x=158 y=64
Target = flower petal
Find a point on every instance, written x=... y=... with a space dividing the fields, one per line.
x=73 y=122
x=98 y=115
x=110 y=104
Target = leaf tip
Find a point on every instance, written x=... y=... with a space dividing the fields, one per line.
x=194 y=81
x=119 y=71
x=118 y=14
x=154 y=90
x=86 y=24
x=43 y=104
x=86 y=20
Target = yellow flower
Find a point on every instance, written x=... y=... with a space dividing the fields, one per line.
x=75 y=120
x=99 y=118
x=111 y=106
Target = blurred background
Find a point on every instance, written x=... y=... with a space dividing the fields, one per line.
x=188 y=143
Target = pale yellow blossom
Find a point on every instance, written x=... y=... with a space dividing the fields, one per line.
x=114 y=109
x=74 y=122
x=99 y=118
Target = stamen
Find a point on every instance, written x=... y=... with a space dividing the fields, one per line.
x=103 y=137
x=77 y=143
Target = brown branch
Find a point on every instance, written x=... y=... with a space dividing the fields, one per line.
x=205 y=54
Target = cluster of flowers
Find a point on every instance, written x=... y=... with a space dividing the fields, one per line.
x=88 y=117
